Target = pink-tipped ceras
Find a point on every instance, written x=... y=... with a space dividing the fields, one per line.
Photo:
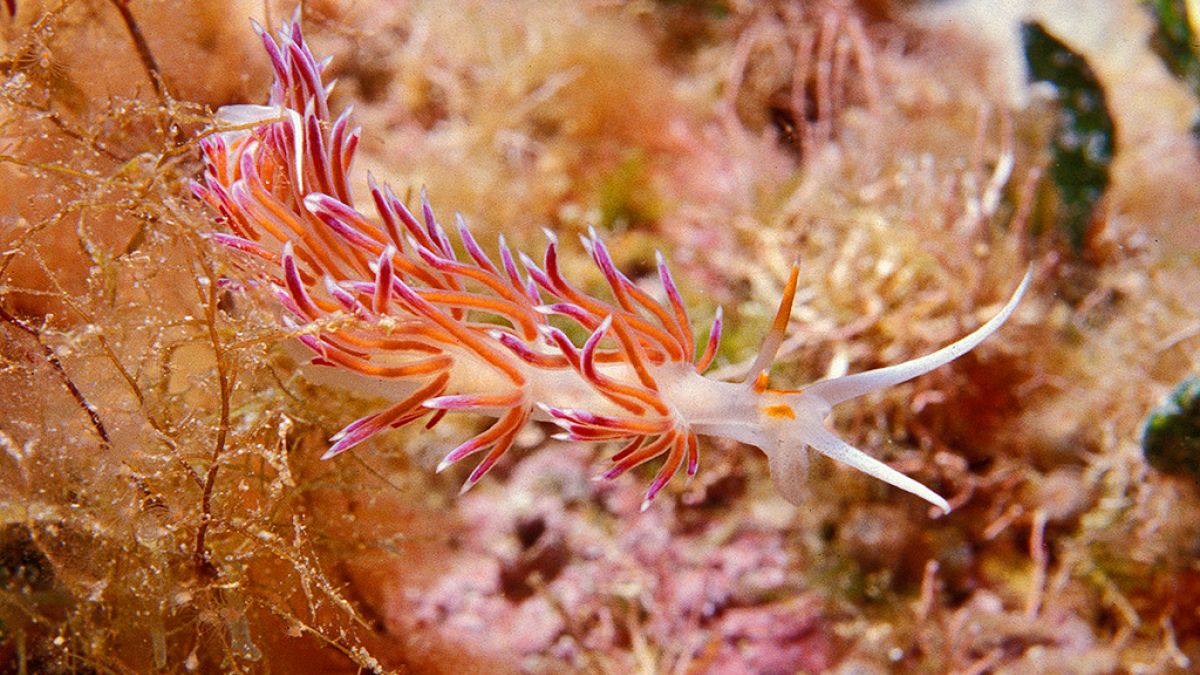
x=389 y=300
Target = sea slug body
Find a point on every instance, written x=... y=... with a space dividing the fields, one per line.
x=389 y=302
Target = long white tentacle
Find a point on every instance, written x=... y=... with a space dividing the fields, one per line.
x=844 y=388
x=829 y=445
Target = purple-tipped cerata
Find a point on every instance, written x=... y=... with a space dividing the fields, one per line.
x=387 y=300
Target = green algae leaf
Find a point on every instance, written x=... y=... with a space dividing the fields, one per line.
x=1175 y=40
x=1171 y=437
x=1082 y=143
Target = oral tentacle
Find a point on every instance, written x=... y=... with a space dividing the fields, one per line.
x=841 y=389
x=835 y=448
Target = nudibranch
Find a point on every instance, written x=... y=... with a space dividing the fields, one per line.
x=391 y=302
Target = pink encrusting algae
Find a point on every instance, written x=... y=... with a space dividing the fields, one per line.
x=389 y=302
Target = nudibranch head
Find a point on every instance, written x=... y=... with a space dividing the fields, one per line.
x=791 y=420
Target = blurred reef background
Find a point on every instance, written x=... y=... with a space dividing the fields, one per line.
x=162 y=505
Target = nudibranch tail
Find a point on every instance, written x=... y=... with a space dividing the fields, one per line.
x=389 y=303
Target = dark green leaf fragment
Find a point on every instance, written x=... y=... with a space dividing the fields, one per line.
x=1083 y=141
x=1171 y=437
x=1175 y=41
